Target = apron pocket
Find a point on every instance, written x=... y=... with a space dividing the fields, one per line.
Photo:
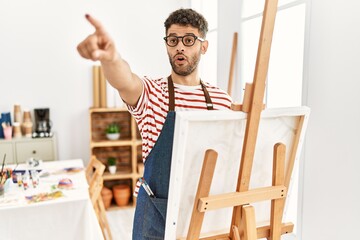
x=154 y=218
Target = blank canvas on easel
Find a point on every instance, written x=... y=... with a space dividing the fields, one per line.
x=223 y=131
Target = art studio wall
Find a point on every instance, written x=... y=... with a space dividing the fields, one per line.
x=330 y=202
x=40 y=66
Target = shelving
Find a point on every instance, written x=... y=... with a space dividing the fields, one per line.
x=18 y=150
x=127 y=150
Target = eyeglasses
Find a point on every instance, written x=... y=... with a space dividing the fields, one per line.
x=187 y=40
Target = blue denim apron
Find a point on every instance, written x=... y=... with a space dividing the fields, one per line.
x=150 y=213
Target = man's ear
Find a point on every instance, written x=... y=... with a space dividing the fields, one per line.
x=204 y=46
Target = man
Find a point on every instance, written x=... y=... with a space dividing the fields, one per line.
x=153 y=103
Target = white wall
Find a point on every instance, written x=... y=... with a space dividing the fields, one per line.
x=229 y=22
x=331 y=193
x=331 y=161
x=40 y=67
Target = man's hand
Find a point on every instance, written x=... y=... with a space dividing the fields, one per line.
x=99 y=45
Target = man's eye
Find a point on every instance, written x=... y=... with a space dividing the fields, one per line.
x=189 y=40
x=172 y=40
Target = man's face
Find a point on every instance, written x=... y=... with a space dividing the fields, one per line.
x=185 y=59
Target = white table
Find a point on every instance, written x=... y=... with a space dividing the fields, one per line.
x=69 y=217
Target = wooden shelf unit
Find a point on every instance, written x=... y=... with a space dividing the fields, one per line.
x=127 y=150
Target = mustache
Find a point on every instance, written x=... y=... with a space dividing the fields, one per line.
x=180 y=55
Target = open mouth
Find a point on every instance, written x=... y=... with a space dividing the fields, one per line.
x=180 y=59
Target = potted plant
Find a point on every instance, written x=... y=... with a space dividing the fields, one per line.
x=113 y=131
x=111 y=164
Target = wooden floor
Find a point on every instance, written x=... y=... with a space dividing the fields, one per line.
x=121 y=221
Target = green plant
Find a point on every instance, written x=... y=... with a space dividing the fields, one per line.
x=111 y=161
x=113 y=128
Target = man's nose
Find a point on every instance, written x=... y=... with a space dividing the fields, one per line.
x=180 y=46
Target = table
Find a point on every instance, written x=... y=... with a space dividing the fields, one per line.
x=69 y=217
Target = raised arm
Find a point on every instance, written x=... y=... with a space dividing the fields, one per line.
x=100 y=46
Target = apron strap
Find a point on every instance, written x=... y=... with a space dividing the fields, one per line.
x=209 y=103
x=171 y=94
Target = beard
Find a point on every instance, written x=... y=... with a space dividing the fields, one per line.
x=187 y=69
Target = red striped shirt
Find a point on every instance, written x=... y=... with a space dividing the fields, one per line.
x=152 y=108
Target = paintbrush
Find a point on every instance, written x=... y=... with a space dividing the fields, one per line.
x=17 y=164
x=2 y=168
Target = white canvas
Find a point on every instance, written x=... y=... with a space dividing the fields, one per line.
x=223 y=131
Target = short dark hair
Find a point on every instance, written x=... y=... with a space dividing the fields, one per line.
x=186 y=17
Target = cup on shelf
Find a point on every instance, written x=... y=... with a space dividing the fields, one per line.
x=17 y=113
x=16 y=130
x=7 y=132
x=27 y=128
x=26 y=116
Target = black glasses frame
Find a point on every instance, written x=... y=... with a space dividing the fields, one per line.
x=182 y=40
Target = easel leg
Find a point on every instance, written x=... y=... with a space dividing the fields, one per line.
x=203 y=190
x=236 y=232
x=248 y=223
x=277 y=206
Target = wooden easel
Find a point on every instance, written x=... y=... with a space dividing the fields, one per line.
x=243 y=224
x=232 y=63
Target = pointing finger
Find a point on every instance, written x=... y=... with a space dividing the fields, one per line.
x=96 y=23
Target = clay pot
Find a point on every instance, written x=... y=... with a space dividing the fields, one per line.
x=122 y=194
x=107 y=196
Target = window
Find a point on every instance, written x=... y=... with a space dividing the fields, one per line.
x=286 y=64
